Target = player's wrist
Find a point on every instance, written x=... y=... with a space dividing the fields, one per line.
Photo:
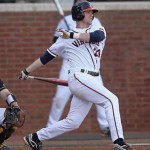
x=10 y=99
x=74 y=35
x=26 y=72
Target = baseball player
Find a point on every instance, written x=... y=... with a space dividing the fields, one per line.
x=63 y=94
x=9 y=117
x=82 y=47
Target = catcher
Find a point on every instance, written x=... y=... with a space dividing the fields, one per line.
x=11 y=117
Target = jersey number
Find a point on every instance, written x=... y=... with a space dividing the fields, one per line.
x=97 y=52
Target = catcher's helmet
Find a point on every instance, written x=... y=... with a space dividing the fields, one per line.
x=79 y=8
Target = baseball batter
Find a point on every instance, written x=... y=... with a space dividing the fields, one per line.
x=82 y=47
x=63 y=94
x=8 y=116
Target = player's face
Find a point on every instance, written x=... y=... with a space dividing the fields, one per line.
x=88 y=17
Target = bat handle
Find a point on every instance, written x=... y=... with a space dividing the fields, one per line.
x=30 y=77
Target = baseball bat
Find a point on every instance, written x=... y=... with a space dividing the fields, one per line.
x=50 y=80
x=61 y=12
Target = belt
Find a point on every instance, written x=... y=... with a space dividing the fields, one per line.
x=92 y=73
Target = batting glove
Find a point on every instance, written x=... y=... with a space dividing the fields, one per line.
x=23 y=75
x=66 y=34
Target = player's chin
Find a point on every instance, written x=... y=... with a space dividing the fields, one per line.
x=90 y=22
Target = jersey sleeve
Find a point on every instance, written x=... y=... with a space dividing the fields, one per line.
x=103 y=29
x=99 y=27
x=57 y=48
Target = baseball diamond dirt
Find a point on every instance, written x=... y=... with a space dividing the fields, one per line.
x=140 y=141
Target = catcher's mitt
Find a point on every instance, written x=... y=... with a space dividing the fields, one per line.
x=14 y=117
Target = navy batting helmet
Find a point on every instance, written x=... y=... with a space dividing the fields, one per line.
x=79 y=8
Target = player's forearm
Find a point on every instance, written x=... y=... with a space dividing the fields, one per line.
x=9 y=97
x=4 y=93
x=84 y=37
x=96 y=36
x=44 y=59
x=35 y=65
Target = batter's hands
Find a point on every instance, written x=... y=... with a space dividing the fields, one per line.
x=65 y=33
x=23 y=75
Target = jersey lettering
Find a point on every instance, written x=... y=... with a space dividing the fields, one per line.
x=77 y=43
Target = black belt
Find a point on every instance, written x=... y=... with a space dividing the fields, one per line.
x=92 y=73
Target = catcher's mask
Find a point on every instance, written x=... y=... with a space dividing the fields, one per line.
x=79 y=8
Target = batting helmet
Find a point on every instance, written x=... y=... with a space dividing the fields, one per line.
x=79 y=8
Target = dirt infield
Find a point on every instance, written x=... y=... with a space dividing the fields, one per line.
x=83 y=142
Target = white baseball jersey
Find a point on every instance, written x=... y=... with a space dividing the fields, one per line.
x=80 y=54
x=59 y=104
x=86 y=89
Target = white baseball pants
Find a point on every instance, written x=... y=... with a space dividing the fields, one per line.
x=86 y=90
